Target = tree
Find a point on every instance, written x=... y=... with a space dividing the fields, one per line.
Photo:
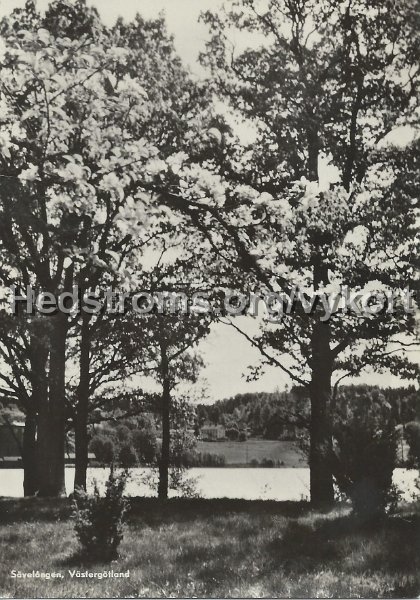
x=172 y=362
x=327 y=86
x=72 y=211
x=44 y=236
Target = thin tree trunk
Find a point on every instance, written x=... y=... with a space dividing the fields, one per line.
x=82 y=408
x=163 y=486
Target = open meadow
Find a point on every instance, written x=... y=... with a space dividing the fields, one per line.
x=218 y=548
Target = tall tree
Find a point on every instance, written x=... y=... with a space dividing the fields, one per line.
x=323 y=86
x=85 y=121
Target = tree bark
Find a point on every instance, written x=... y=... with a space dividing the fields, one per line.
x=43 y=443
x=82 y=408
x=36 y=430
x=163 y=486
x=53 y=416
x=29 y=454
x=321 y=481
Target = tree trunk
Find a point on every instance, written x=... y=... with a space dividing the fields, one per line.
x=322 y=493
x=36 y=433
x=43 y=444
x=82 y=408
x=163 y=486
x=29 y=454
x=53 y=417
x=321 y=481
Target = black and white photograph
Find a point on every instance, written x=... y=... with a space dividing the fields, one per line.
x=209 y=299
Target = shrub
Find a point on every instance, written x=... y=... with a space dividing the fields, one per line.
x=242 y=436
x=365 y=448
x=99 y=520
x=104 y=449
x=127 y=456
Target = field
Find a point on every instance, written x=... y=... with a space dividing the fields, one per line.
x=198 y=548
x=242 y=453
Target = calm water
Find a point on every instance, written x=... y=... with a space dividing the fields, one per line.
x=248 y=484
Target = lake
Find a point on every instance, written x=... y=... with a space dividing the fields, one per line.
x=248 y=484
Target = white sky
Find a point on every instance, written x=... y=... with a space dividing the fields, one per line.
x=225 y=351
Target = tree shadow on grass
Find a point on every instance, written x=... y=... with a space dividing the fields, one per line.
x=17 y=510
x=303 y=547
x=393 y=545
x=150 y=510
x=398 y=547
x=153 y=511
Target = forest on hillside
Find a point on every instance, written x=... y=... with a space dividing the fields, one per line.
x=285 y=414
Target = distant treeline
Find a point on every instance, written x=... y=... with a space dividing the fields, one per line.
x=285 y=414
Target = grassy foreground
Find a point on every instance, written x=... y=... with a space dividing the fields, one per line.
x=208 y=548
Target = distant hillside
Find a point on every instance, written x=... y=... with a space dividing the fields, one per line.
x=284 y=414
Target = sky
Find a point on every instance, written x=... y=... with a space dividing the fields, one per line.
x=227 y=353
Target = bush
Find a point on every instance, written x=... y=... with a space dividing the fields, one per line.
x=103 y=448
x=364 y=459
x=242 y=436
x=127 y=456
x=98 y=521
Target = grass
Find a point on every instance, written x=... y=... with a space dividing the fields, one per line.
x=218 y=548
x=241 y=453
